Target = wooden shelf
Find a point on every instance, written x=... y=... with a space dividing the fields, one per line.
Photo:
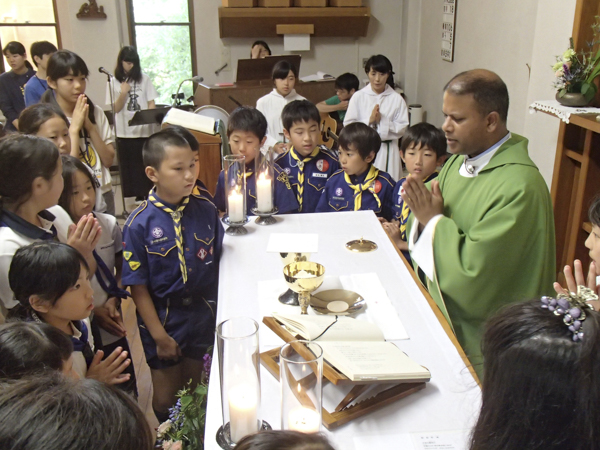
x=587 y=121
x=262 y=22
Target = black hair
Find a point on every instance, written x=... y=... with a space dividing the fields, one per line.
x=184 y=133
x=41 y=48
x=34 y=116
x=249 y=119
x=23 y=158
x=424 y=134
x=541 y=390
x=128 y=54
x=299 y=111
x=47 y=269
x=284 y=440
x=264 y=44
x=55 y=412
x=381 y=64
x=488 y=90
x=16 y=48
x=594 y=211
x=282 y=69
x=363 y=139
x=62 y=64
x=70 y=165
x=153 y=152
x=347 y=81
x=27 y=348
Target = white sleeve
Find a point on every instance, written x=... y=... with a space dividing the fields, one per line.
x=352 y=113
x=421 y=247
x=117 y=236
x=393 y=127
x=7 y=300
x=151 y=93
x=116 y=88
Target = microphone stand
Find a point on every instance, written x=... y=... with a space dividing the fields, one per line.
x=110 y=80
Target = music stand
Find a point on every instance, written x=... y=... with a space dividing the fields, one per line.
x=262 y=69
x=149 y=116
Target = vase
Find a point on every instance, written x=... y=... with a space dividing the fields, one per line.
x=572 y=99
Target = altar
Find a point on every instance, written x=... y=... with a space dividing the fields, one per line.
x=449 y=404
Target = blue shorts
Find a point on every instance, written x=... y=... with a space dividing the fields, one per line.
x=191 y=325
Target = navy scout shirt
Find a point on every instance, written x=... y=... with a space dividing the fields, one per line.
x=316 y=173
x=339 y=196
x=400 y=210
x=285 y=199
x=150 y=254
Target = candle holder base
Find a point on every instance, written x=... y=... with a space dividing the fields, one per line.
x=265 y=218
x=235 y=228
x=224 y=437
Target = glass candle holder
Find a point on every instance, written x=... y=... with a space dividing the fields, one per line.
x=264 y=173
x=301 y=375
x=239 y=369
x=235 y=187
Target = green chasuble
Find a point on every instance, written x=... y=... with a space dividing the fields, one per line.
x=495 y=244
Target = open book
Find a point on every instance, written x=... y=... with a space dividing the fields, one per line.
x=356 y=348
x=190 y=121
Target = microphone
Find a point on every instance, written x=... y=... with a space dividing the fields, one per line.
x=104 y=71
x=197 y=79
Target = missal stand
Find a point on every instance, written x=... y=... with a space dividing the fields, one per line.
x=343 y=412
x=149 y=116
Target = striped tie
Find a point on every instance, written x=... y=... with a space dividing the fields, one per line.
x=404 y=220
x=369 y=185
x=176 y=215
x=300 y=165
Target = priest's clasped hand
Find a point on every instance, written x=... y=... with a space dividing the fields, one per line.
x=424 y=204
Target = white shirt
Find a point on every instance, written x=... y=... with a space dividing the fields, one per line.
x=12 y=239
x=421 y=246
x=109 y=245
x=391 y=127
x=79 y=363
x=140 y=94
x=271 y=105
x=92 y=158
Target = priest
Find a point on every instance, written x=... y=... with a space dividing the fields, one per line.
x=482 y=235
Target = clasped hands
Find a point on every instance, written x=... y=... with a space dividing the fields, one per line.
x=423 y=203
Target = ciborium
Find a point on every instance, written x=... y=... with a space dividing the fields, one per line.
x=304 y=277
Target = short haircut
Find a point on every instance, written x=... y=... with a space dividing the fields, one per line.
x=284 y=440
x=246 y=118
x=263 y=43
x=154 y=153
x=14 y=48
x=47 y=269
x=41 y=48
x=64 y=63
x=363 y=139
x=381 y=64
x=27 y=348
x=34 y=116
x=489 y=92
x=55 y=412
x=71 y=165
x=347 y=81
x=282 y=69
x=425 y=135
x=299 y=111
x=184 y=133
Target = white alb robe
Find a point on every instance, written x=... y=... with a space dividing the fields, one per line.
x=393 y=123
x=271 y=105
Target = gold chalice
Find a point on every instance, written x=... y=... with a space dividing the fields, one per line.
x=304 y=277
x=290 y=297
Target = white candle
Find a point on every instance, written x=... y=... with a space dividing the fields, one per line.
x=304 y=420
x=243 y=411
x=235 y=207
x=264 y=195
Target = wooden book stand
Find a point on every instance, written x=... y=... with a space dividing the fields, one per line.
x=343 y=413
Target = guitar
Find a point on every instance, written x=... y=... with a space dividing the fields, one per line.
x=328 y=129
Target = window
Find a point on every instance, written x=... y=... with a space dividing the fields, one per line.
x=162 y=32
x=26 y=22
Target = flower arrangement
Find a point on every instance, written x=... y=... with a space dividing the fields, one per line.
x=185 y=428
x=576 y=71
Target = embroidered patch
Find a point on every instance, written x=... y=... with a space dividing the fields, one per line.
x=127 y=255
x=319 y=175
x=284 y=179
x=135 y=265
x=157 y=232
x=202 y=254
x=377 y=186
x=287 y=170
x=323 y=165
x=339 y=192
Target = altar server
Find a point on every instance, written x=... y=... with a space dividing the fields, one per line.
x=381 y=107
x=484 y=234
